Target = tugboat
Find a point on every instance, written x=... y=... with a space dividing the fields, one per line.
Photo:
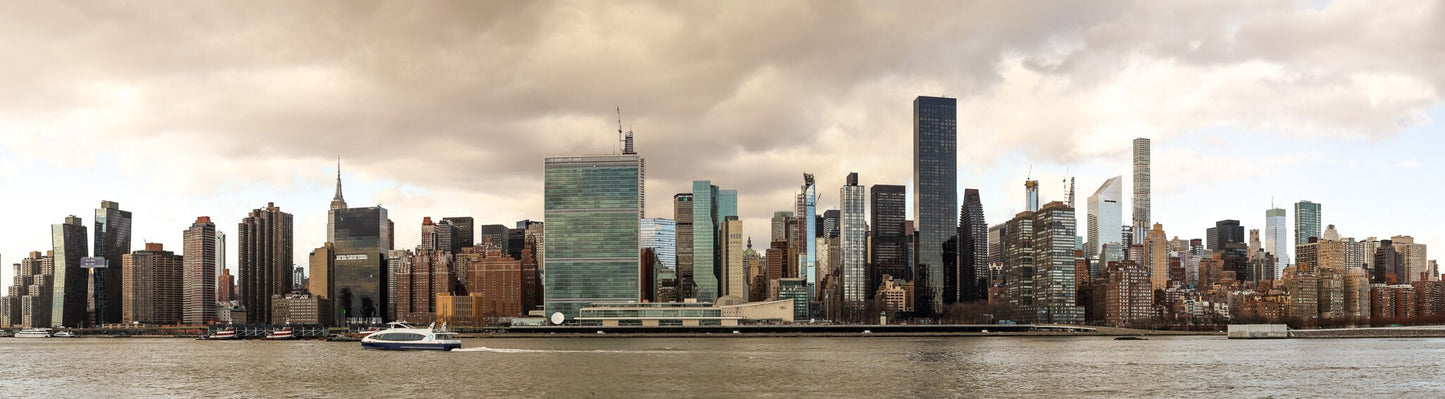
x=281 y=334
x=223 y=334
x=34 y=333
x=402 y=336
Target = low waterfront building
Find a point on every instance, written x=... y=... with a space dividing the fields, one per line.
x=300 y=308
x=457 y=310
x=780 y=311
x=654 y=314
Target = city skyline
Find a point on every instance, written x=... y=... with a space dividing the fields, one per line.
x=104 y=126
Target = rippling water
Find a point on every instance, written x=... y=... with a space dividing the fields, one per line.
x=723 y=367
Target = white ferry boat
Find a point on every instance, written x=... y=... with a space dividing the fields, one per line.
x=34 y=333
x=223 y=334
x=281 y=333
x=401 y=336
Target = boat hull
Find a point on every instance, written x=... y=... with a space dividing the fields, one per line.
x=411 y=346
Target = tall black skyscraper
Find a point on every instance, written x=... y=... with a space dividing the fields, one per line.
x=112 y=241
x=890 y=243
x=935 y=199
x=972 y=248
x=497 y=232
x=465 y=231
x=68 y=300
x=264 y=253
x=1224 y=232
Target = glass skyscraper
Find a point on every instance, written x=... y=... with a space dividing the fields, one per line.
x=1276 y=238
x=705 y=228
x=972 y=248
x=359 y=272
x=1306 y=222
x=890 y=244
x=591 y=206
x=112 y=241
x=1106 y=218
x=935 y=199
x=852 y=238
x=68 y=300
x=661 y=235
x=807 y=204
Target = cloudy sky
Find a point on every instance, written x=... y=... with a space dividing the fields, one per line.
x=177 y=110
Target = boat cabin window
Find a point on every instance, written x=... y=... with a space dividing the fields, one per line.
x=400 y=336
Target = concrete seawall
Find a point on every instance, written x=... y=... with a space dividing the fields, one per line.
x=1384 y=332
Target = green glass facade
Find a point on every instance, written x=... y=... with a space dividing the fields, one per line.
x=705 y=256
x=591 y=207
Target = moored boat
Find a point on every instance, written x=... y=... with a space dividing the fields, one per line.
x=281 y=334
x=223 y=334
x=34 y=333
x=401 y=336
x=64 y=334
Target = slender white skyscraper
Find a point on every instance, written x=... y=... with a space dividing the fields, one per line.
x=1106 y=215
x=854 y=242
x=1141 y=189
x=1276 y=238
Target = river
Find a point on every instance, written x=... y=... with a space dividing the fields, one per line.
x=730 y=367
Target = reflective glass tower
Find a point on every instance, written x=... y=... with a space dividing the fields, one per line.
x=973 y=248
x=112 y=242
x=935 y=199
x=1106 y=217
x=890 y=244
x=591 y=207
x=68 y=300
x=1306 y=222
x=1276 y=239
x=661 y=235
x=705 y=255
x=807 y=204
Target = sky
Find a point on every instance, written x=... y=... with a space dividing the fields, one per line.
x=178 y=110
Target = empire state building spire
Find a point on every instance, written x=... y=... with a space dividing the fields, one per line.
x=338 y=202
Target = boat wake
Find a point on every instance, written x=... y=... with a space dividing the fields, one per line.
x=511 y=350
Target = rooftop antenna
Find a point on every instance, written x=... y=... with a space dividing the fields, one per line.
x=619 y=126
